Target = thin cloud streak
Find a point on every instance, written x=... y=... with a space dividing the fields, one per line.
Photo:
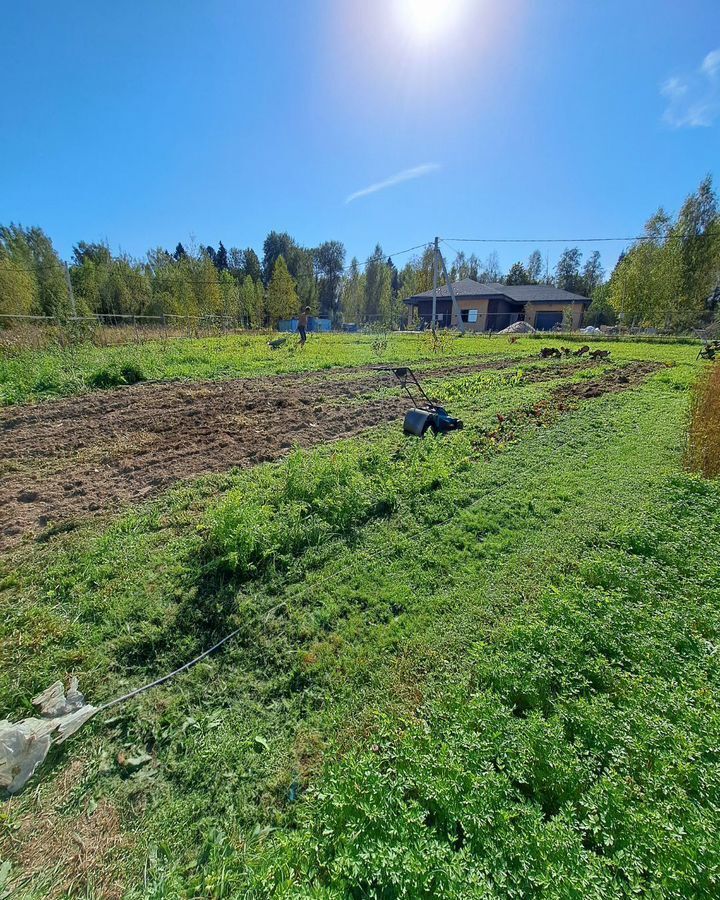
x=405 y=175
x=693 y=101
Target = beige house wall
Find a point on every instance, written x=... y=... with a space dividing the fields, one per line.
x=531 y=309
x=481 y=305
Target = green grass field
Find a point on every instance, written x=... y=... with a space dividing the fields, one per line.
x=28 y=375
x=484 y=666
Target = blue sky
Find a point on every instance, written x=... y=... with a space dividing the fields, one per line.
x=142 y=123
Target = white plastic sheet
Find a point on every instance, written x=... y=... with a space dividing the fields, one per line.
x=24 y=745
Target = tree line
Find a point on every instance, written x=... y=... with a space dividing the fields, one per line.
x=193 y=281
x=668 y=279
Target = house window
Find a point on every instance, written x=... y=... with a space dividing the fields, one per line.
x=469 y=315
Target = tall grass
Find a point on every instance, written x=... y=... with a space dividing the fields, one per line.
x=703 y=447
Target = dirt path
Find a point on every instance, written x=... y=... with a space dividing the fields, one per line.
x=70 y=459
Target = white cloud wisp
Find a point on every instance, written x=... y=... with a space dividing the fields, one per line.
x=693 y=101
x=399 y=178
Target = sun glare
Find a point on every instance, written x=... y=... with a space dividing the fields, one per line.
x=428 y=20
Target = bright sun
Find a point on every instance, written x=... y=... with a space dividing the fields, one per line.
x=427 y=20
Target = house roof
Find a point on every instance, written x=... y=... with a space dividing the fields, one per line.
x=519 y=293
x=464 y=288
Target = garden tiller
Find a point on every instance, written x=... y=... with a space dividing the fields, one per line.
x=709 y=350
x=425 y=413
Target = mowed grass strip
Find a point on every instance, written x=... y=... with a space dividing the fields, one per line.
x=503 y=685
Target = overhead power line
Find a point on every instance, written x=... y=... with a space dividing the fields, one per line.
x=364 y=264
x=545 y=240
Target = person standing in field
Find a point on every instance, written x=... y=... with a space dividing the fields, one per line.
x=303 y=324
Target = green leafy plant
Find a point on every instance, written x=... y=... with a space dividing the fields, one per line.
x=108 y=377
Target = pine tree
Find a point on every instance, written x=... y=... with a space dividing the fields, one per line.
x=251 y=264
x=518 y=274
x=394 y=277
x=210 y=253
x=221 y=258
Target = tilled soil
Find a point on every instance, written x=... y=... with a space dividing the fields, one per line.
x=612 y=382
x=66 y=460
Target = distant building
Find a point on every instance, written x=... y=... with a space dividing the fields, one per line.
x=492 y=307
x=315 y=323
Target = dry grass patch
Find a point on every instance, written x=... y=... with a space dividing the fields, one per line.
x=703 y=448
x=65 y=856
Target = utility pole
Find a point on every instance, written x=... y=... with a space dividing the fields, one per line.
x=435 y=281
x=456 y=308
x=70 y=290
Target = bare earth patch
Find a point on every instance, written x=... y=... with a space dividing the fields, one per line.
x=67 y=460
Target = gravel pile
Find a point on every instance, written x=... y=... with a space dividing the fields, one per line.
x=518 y=328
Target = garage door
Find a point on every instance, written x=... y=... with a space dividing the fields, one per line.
x=544 y=321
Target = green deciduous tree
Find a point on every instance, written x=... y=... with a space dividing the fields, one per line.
x=282 y=299
x=18 y=289
x=592 y=274
x=329 y=262
x=247 y=300
x=600 y=311
x=31 y=250
x=353 y=294
x=698 y=232
x=645 y=288
x=492 y=273
x=535 y=267
x=230 y=294
x=206 y=286
x=567 y=271
x=378 y=290
x=302 y=269
x=252 y=302
x=276 y=244
x=259 y=319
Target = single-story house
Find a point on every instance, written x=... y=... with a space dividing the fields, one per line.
x=492 y=307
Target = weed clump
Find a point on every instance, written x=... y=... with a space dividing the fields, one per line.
x=307 y=501
x=702 y=453
x=115 y=376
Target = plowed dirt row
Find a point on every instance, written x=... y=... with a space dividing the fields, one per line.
x=63 y=461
